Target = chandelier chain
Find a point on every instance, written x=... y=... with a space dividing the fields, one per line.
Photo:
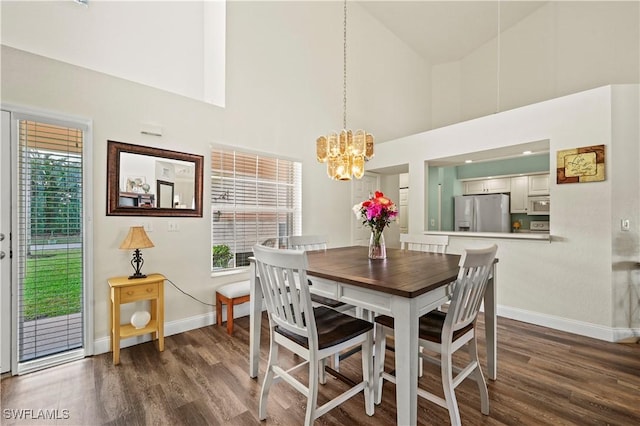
x=498 y=55
x=344 y=70
x=345 y=152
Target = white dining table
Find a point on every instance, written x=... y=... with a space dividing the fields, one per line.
x=405 y=285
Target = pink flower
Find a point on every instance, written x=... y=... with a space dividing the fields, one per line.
x=376 y=212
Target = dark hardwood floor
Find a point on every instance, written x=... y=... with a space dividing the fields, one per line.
x=545 y=377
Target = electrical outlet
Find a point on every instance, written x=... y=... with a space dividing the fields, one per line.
x=148 y=227
x=433 y=222
x=625 y=224
x=173 y=226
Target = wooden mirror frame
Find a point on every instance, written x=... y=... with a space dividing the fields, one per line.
x=114 y=149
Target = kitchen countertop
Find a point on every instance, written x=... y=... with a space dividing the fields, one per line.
x=521 y=235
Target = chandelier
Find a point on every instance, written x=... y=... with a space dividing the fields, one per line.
x=345 y=153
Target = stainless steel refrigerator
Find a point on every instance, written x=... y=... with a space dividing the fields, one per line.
x=482 y=213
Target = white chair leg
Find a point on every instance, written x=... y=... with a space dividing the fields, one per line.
x=380 y=349
x=312 y=400
x=479 y=377
x=446 y=370
x=335 y=361
x=367 y=374
x=268 y=379
x=322 y=374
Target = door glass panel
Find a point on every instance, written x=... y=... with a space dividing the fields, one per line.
x=50 y=244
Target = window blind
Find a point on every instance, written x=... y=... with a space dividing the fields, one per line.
x=255 y=198
x=50 y=264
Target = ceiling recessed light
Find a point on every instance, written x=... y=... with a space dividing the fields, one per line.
x=526 y=152
x=468 y=161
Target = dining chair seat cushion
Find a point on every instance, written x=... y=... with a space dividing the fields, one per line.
x=333 y=328
x=430 y=326
x=233 y=290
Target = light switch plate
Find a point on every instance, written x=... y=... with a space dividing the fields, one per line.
x=625 y=224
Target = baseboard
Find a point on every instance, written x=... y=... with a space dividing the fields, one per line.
x=626 y=335
x=581 y=328
x=102 y=345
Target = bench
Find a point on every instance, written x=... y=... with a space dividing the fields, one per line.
x=230 y=294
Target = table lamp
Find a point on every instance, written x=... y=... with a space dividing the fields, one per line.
x=136 y=239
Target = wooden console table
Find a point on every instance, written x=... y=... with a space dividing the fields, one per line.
x=125 y=290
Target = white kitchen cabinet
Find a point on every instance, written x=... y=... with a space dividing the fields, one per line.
x=519 y=194
x=498 y=185
x=474 y=187
x=487 y=186
x=539 y=184
x=404 y=180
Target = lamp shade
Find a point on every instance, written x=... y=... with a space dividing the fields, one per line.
x=136 y=239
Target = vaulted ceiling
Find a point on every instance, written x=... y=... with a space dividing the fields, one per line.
x=445 y=31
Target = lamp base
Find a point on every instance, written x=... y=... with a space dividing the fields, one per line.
x=134 y=276
x=137 y=263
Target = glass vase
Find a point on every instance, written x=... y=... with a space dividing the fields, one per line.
x=377 y=249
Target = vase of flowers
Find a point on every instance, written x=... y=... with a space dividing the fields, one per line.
x=377 y=248
x=377 y=213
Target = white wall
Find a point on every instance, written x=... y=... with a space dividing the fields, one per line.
x=585 y=279
x=175 y=46
x=561 y=48
x=284 y=89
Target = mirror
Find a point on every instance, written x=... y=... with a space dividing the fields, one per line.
x=165 y=195
x=146 y=181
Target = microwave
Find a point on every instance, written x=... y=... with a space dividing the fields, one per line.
x=539 y=205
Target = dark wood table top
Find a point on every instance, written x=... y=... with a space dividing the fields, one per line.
x=404 y=273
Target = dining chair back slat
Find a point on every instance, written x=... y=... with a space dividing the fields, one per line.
x=420 y=242
x=308 y=242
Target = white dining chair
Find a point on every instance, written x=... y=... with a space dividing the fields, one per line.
x=314 y=334
x=427 y=243
x=445 y=333
x=308 y=242
x=315 y=242
x=319 y=242
x=421 y=242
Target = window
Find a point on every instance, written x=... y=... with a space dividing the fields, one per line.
x=255 y=198
x=50 y=240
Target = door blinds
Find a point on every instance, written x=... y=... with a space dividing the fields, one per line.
x=49 y=247
x=254 y=199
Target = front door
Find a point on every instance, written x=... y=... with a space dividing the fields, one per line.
x=5 y=245
x=46 y=184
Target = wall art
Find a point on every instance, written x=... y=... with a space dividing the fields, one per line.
x=580 y=165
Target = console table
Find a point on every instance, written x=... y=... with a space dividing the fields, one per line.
x=125 y=290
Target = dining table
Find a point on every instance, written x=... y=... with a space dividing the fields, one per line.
x=405 y=285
